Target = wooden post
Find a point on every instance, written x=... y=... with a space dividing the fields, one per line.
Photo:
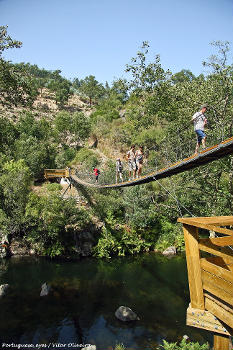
x=222 y=342
x=193 y=266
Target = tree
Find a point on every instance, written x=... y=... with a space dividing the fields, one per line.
x=16 y=86
x=71 y=128
x=61 y=87
x=6 y=42
x=145 y=77
x=52 y=222
x=91 y=88
x=15 y=183
x=183 y=76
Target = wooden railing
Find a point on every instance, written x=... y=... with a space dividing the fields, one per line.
x=210 y=274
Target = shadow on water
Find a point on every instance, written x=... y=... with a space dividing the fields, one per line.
x=85 y=295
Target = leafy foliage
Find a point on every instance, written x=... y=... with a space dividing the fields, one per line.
x=48 y=219
x=16 y=86
x=184 y=345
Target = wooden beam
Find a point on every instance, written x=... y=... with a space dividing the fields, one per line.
x=222 y=342
x=193 y=266
x=205 y=320
x=222 y=272
x=217 y=291
x=219 y=312
x=209 y=247
x=211 y=220
x=219 y=241
x=218 y=282
x=208 y=227
x=223 y=305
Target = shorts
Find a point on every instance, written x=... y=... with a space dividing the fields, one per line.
x=132 y=165
x=200 y=135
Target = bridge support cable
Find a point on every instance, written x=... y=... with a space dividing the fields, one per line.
x=179 y=204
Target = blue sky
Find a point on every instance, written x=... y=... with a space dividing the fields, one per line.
x=99 y=37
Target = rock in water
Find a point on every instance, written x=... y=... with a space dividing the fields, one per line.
x=124 y=313
x=44 y=290
x=170 y=251
x=3 y=288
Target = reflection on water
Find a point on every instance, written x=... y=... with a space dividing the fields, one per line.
x=85 y=295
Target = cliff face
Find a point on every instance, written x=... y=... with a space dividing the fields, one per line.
x=46 y=106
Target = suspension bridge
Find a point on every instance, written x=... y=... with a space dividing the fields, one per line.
x=196 y=160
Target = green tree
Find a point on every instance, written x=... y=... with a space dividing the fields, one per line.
x=145 y=76
x=91 y=88
x=184 y=75
x=16 y=86
x=15 y=182
x=71 y=128
x=52 y=222
x=61 y=87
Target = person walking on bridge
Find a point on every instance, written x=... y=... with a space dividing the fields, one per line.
x=131 y=162
x=96 y=173
x=199 y=119
x=119 y=170
x=139 y=160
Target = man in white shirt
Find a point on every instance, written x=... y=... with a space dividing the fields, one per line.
x=199 y=120
x=131 y=162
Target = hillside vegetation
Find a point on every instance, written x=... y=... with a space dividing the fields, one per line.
x=48 y=121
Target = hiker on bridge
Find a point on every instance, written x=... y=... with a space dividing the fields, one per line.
x=199 y=119
x=131 y=162
x=96 y=173
x=139 y=160
x=119 y=170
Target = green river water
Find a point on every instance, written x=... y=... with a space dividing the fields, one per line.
x=85 y=295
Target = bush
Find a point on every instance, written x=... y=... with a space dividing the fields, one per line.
x=87 y=158
x=51 y=222
x=184 y=345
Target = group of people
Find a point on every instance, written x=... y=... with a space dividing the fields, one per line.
x=135 y=157
x=135 y=162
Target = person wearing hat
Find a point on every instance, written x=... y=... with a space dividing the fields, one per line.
x=199 y=119
x=119 y=170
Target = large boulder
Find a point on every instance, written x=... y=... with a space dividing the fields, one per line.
x=170 y=251
x=124 y=313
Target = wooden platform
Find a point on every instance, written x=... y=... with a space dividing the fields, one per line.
x=210 y=274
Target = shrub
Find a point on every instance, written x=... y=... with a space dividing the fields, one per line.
x=184 y=345
x=86 y=157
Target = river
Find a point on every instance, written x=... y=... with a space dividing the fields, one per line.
x=85 y=295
